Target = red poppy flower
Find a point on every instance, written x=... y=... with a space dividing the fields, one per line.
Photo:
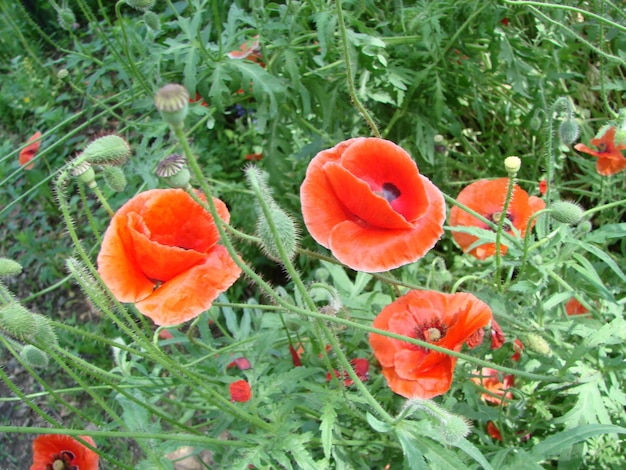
x=240 y=391
x=487 y=198
x=543 y=187
x=28 y=152
x=493 y=431
x=241 y=362
x=198 y=98
x=445 y=320
x=497 y=335
x=609 y=153
x=160 y=252
x=249 y=50
x=366 y=201
x=59 y=452
x=360 y=366
x=490 y=380
x=518 y=346
x=295 y=355
x=574 y=307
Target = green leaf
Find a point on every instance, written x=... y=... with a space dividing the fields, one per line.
x=603 y=255
x=377 y=425
x=557 y=442
x=413 y=457
x=471 y=450
x=219 y=92
x=605 y=233
x=327 y=425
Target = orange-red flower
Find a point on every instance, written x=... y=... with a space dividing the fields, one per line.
x=197 y=98
x=250 y=50
x=445 y=320
x=493 y=431
x=497 y=390
x=366 y=201
x=360 y=366
x=609 y=153
x=486 y=197
x=518 y=347
x=574 y=307
x=60 y=452
x=161 y=252
x=543 y=187
x=240 y=391
x=28 y=152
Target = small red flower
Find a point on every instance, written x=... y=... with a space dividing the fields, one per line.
x=241 y=363
x=490 y=380
x=504 y=21
x=445 y=320
x=198 y=98
x=609 y=153
x=360 y=366
x=487 y=198
x=254 y=157
x=497 y=335
x=28 y=152
x=574 y=307
x=493 y=431
x=240 y=391
x=295 y=355
x=518 y=346
x=543 y=187
x=366 y=201
x=250 y=50
x=60 y=452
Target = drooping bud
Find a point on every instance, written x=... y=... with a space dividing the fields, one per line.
x=173 y=170
x=34 y=356
x=569 y=131
x=172 y=101
x=17 y=321
x=538 y=344
x=152 y=21
x=85 y=173
x=115 y=178
x=65 y=16
x=9 y=268
x=567 y=212
x=140 y=5
x=107 y=150
x=512 y=165
x=44 y=331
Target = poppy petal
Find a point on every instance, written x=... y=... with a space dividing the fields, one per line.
x=28 y=152
x=49 y=447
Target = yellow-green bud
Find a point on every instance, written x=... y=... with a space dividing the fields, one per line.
x=172 y=101
x=512 y=165
x=173 y=170
x=152 y=21
x=63 y=74
x=44 y=331
x=538 y=344
x=567 y=212
x=85 y=173
x=106 y=150
x=454 y=428
x=65 y=17
x=9 y=268
x=115 y=178
x=17 y=321
x=140 y=5
x=34 y=357
x=569 y=131
x=286 y=231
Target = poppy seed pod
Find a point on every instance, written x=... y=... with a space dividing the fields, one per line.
x=567 y=212
x=172 y=101
x=173 y=170
x=115 y=178
x=569 y=131
x=512 y=165
x=85 y=173
x=34 y=357
x=17 y=321
x=9 y=268
x=106 y=150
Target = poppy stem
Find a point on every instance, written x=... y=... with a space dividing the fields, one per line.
x=349 y=77
x=503 y=217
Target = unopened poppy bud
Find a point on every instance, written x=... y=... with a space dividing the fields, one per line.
x=9 y=268
x=569 y=131
x=44 y=331
x=65 y=16
x=286 y=231
x=173 y=170
x=567 y=212
x=85 y=173
x=152 y=21
x=63 y=74
x=172 y=101
x=512 y=165
x=538 y=344
x=34 y=357
x=454 y=428
x=17 y=321
x=107 y=150
x=140 y=5
x=115 y=178
x=585 y=226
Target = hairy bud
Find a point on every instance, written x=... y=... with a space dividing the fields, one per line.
x=115 y=178
x=9 y=268
x=17 y=321
x=106 y=150
x=567 y=212
x=34 y=357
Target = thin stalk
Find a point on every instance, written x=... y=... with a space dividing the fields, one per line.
x=503 y=217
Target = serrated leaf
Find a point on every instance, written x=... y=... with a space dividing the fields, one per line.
x=413 y=457
x=294 y=444
x=471 y=450
x=327 y=425
x=377 y=425
x=219 y=91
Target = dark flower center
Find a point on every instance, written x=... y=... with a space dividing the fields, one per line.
x=602 y=147
x=62 y=461
x=390 y=192
x=496 y=216
x=431 y=332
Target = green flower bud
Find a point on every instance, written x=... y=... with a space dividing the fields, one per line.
x=115 y=178
x=63 y=74
x=9 y=268
x=567 y=212
x=173 y=170
x=569 y=131
x=34 y=357
x=140 y=5
x=44 y=331
x=172 y=101
x=286 y=231
x=106 y=150
x=17 y=321
x=538 y=344
x=65 y=17
x=85 y=173
x=454 y=428
x=152 y=21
